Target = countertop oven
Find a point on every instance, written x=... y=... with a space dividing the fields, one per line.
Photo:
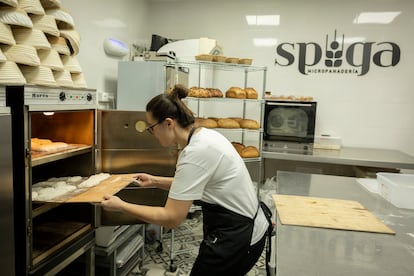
x=289 y=125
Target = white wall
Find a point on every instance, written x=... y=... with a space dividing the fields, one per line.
x=374 y=110
x=96 y=20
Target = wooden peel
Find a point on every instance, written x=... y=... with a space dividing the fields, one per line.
x=95 y=194
x=327 y=213
x=109 y=186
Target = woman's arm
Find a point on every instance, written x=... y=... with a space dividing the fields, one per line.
x=171 y=215
x=147 y=180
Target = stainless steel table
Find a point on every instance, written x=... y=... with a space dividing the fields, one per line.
x=318 y=251
x=366 y=157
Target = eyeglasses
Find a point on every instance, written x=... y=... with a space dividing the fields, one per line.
x=150 y=128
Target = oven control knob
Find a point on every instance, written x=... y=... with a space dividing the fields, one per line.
x=62 y=96
x=89 y=97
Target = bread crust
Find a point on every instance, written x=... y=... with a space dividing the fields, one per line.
x=236 y=92
x=238 y=146
x=227 y=123
x=250 y=152
x=251 y=93
x=249 y=124
x=207 y=123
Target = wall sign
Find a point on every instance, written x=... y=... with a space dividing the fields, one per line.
x=336 y=56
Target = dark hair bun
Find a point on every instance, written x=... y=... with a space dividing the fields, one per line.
x=179 y=91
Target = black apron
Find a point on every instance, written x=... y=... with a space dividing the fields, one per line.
x=226 y=249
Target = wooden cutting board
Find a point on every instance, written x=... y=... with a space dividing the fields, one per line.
x=327 y=213
x=111 y=186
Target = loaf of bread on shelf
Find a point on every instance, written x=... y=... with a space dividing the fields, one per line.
x=219 y=58
x=232 y=60
x=249 y=123
x=207 y=123
x=246 y=61
x=238 y=146
x=251 y=93
x=227 y=123
x=215 y=92
x=250 y=152
x=214 y=118
x=193 y=91
x=246 y=151
x=198 y=92
x=204 y=57
x=237 y=119
x=203 y=93
x=236 y=92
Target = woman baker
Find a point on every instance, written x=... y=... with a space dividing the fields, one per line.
x=210 y=173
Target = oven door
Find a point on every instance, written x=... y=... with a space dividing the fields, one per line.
x=123 y=146
x=290 y=121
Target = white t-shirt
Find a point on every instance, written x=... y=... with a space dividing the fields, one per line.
x=210 y=169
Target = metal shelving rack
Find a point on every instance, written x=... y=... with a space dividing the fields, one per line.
x=246 y=69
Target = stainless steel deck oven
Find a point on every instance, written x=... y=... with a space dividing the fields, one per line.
x=49 y=236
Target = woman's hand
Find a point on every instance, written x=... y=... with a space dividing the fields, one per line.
x=144 y=179
x=112 y=203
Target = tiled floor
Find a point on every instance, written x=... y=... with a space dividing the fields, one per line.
x=187 y=238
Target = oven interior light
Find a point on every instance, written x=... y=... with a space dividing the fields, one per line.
x=49 y=113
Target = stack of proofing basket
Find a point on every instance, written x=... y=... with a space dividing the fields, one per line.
x=38 y=44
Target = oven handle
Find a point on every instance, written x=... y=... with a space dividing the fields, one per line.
x=289 y=104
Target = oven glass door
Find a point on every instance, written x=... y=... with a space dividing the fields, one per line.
x=290 y=121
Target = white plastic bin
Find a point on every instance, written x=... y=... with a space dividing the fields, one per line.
x=397 y=189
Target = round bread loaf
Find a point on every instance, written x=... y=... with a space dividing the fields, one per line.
x=247 y=61
x=232 y=60
x=250 y=152
x=204 y=57
x=251 y=93
x=219 y=58
x=236 y=92
x=227 y=123
x=248 y=123
x=207 y=123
